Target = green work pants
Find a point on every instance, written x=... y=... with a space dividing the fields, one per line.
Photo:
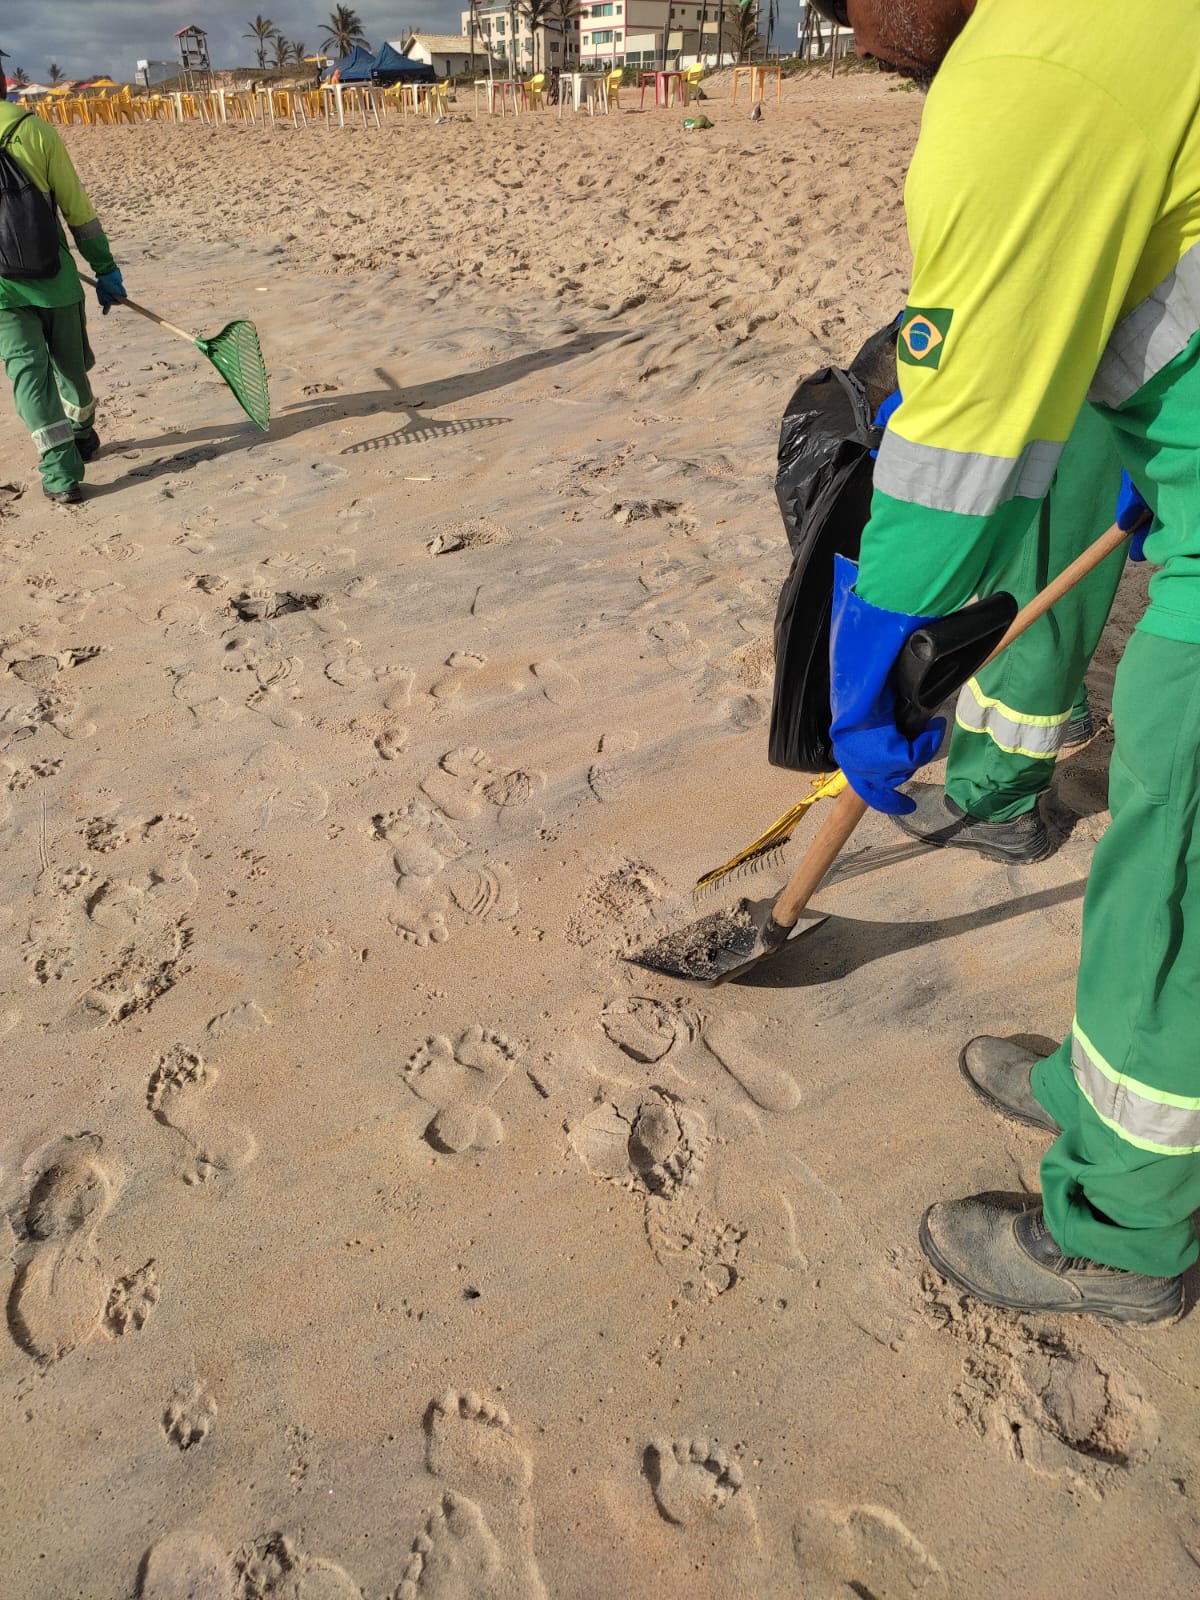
x=1122 y=1181
x=1011 y=718
x=46 y=354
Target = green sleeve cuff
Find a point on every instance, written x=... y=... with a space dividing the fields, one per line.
x=97 y=252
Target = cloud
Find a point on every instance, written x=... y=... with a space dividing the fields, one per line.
x=86 y=37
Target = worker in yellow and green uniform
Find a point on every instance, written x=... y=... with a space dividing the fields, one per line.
x=43 y=332
x=1053 y=208
x=1016 y=716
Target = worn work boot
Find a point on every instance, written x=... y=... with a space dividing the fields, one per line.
x=998 y=1070
x=88 y=444
x=997 y=1247
x=937 y=820
x=65 y=497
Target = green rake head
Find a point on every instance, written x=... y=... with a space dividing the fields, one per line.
x=236 y=354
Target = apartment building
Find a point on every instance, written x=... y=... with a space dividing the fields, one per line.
x=640 y=33
x=503 y=29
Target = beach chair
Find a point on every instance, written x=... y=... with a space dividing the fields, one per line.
x=613 y=89
x=690 y=81
x=532 y=91
x=439 y=98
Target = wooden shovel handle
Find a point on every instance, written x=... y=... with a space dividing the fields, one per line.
x=144 y=311
x=848 y=810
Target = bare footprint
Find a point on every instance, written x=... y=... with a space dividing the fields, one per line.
x=391 y=743
x=59 y=1295
x=771 y=1087
x=643 y=1029
x=273 y=1568
x=559 y=686
x=862 y=1550
x=459 y=1080
x=186 y=1566
x=471 y=1443
x=454 y=1556
x=695 y=1482
x=456 y=786
x=179 y=1096
x=462 y=665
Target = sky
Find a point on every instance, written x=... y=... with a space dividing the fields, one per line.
x=88 y=37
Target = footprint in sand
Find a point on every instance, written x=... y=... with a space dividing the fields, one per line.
x=607 y=778
x=462 y=665
x=771 y=1087
x=559 y=686
x=478 y=1542
x=192 y=1566
x=60 y=1294
x=186 y=1566
x=422 y=841
x=862 y=1550
x=179 y=1095
x=391 y=743
x=460 y=1080
x=643 y=1029
x=457 y=784
x=454 y=1556
x=697 y=1487
x=189 y=1415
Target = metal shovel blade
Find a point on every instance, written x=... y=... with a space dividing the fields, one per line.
x=723 y=944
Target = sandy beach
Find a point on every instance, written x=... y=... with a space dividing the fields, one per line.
x=368 y=1226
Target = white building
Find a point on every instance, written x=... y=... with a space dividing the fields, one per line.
x=449 y=55
x=503 y=27
x=640 y=33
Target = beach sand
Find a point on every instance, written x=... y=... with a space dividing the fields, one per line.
x=371 y=1226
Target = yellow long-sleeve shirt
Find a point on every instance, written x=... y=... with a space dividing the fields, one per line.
x=1053 y=208
x=38 y=150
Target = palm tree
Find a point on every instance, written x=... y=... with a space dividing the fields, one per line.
x=264 y=31
x=344 y=30
x=299 y=52
x=56 y=73
x=745 y=29
x=20 y=77
x=283 y=52
x=536 y=14
x=563 y=16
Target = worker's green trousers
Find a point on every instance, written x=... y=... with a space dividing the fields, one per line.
x=1011 y=718
x=1123 y=1180
x=46 y=354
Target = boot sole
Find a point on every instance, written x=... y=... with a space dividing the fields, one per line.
x=1007 y=1112
x=1107 y=1313
x=1014 y=858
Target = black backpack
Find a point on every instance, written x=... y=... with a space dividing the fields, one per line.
x=28 y=230
x=823 y=485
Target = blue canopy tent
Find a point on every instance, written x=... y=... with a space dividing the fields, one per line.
x=357 y=67
x=391 y=66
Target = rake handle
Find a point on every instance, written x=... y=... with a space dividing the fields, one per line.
x=144 y=311
x=848 y=810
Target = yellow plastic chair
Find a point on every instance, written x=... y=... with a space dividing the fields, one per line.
x=690 y=81
x=439 y=98
x=533 y=91
x=613 y=88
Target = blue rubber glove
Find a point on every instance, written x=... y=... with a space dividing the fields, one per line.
x=109 y=289
x=883 y=415
x=1131 y=508
x=864 y=642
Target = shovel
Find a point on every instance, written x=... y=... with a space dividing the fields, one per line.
x=936 y=661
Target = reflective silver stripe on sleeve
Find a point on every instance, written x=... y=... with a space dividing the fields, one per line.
x=79 y=414
x=57 y=433
x=962 y=481
x=1169 y=1126
x=1152 y=334
x=1015 y=733
x=88 y=230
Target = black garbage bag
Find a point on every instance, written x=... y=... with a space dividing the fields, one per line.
x=823 y=485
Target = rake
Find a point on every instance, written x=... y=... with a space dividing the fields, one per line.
x=235 y=352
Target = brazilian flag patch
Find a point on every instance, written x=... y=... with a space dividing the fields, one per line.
x=922 y=335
